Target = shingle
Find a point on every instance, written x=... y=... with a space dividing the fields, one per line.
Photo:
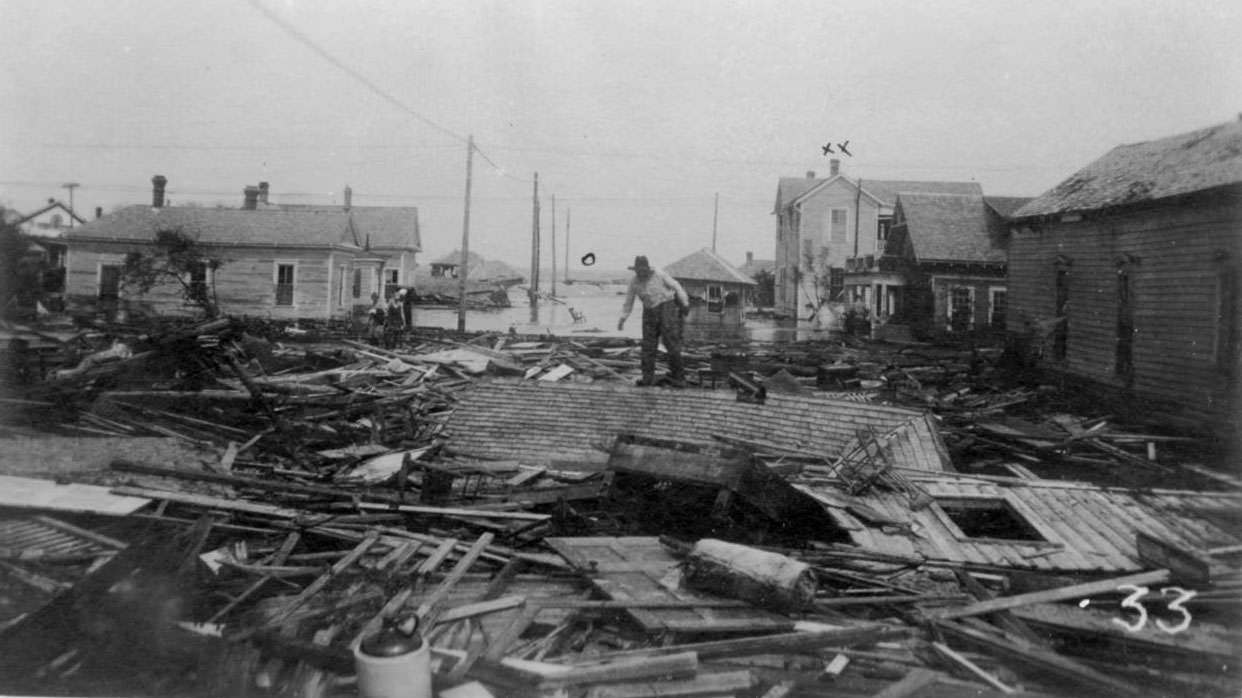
x=1157 y=169
x=706 y=265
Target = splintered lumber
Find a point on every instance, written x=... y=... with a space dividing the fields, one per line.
x=913 y=682
x=456 y=512
x=431 y=609
x=956 y=657
x=252 y=482
x=780 y=643
x=1067 y=593
x=1185 y=565
x=1047 y=661
x=662 y=668
x=333 y=572
x=723 y=683
x=766 y=579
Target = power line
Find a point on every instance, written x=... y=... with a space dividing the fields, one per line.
x=305 y=40
x=384 y=94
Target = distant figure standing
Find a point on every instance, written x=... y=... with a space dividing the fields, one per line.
x=394 y=323
x=665 y=306
x=375 y=316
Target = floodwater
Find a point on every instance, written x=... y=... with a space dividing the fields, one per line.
x=600 y=307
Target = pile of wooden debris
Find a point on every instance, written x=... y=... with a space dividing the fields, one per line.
x=552 y=530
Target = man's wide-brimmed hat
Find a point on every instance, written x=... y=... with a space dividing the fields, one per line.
x=641 y=264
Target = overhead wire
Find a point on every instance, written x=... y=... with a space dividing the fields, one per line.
x=381 y=92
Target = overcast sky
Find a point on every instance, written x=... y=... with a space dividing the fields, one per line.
x=634 y=113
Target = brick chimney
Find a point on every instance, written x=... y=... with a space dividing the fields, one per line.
x=349 y=197
x=834 y=167
x=263 y=190
x=158 y=183
x=98 y=212
x=750 y=257
x=810 y=174
x=251 y=200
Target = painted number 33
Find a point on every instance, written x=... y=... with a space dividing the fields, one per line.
x=1132 y=601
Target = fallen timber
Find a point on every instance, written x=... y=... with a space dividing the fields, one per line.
x=335 y=488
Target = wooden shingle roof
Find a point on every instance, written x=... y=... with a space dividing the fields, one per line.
x=950 y=227
x=541 y=422
x=388 y=227
x=706 y=265
x=1147 y=171
x=1076 y=527
x=885 y=191
x=276 y=227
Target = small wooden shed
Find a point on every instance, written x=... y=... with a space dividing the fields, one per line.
x=716 y=288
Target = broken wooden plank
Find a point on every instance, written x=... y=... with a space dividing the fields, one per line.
x=1075 y=591
x=660 y=669
x=768 y=644
x=1045 y=660
x=333 y=572
x=957 y=658
x=36 y=493
x=722 y=683
x=914 y=681
x=1186 y=565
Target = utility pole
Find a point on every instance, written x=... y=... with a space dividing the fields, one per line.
x=71 y=186
x=534 y=245
x=463 y=267
x=569 y=214
x=554 y=245
x=715 y=217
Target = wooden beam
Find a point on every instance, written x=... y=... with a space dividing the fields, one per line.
x=955 y=657
x=1075 y=591
x=781 y=643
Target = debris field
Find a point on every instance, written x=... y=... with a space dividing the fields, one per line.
x=233 y=507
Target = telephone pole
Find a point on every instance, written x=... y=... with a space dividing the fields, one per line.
x=71 y=186
x=554 y=245
x=569 y=216
x=715 y=217
x=534 y=245
x=464 y=266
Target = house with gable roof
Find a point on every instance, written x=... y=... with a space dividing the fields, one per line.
x=1125 y=276
x=821 y=223
x=284 y=262
x=943 y=266
x=716 y=288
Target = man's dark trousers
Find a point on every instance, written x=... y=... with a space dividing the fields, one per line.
x=662 y=322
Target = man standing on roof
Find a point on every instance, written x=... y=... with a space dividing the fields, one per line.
x=665 y=306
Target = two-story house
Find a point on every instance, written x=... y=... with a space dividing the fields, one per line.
x=821 y=223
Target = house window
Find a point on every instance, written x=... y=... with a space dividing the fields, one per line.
x=998 y=301
x=109 y=282
x=357 y=283
x=715 y=298
x=284 y=284
x=197 y=286
x=837 y=218
x=961 y=308
x=340 y=285
x=1060 y=335
x=1226 y=344
x=883 y=227
x=836 y=283
x=392 y=279
x=1123 y=360
x=989 y=518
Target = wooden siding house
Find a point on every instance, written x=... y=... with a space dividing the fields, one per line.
x=283 y=262
x=821 y=223
x=716 y=289
x=942 y=270
x=1126 y=274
